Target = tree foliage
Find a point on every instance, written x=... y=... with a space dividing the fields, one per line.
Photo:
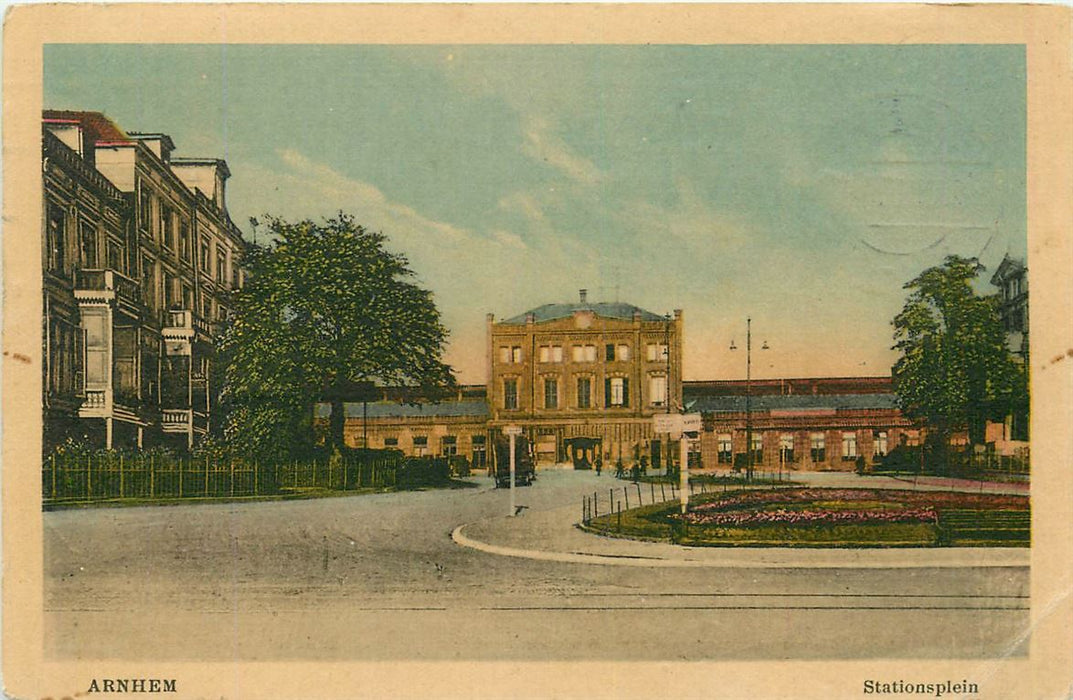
x=325 y=310
x=955 y=371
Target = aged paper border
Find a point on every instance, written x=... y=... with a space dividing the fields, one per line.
x=1044 y=30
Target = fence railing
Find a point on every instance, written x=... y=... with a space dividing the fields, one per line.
x=110 y=476
x=647 y=493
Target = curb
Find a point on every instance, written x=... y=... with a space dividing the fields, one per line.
x=759 y=558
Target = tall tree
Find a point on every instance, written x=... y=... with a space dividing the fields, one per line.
x=955 y=371
x=325 y=310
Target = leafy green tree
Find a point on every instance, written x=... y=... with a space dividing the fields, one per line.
x=325 y=312
x=955 y=371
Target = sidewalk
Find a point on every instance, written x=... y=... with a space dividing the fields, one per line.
x=552 y=535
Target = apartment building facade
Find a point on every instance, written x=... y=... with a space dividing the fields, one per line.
x=139 y=259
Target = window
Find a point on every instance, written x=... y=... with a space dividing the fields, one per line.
x=391 y=442
x=221 y=265
x=171 y=291
x=616 y=392
x=479 y=451
x=657 y=390
x=65 y=353
x=510 y=394
x=879 y=443
x=786 y=448
x=184 y=241
x=420 y=445
x=849 y=446
x=816 y=447
x=656 y=352
x=516 y=354
x=551 y=393
x=204 y=261
x=623 y=353
x=584 y=392
x=57 y=246
x=609 y=352
x=758 y=448
x=114 y=253
x=584 y=353
x=87 y=236
x=167 y=225
x=449 y=445
x=725 y=454
x=149 y=282
x=188 y=297
x=145 y=210
x=551 y=353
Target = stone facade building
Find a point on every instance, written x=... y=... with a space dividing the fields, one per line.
x=584 y=379
x=1011 y=277
x=139 y=258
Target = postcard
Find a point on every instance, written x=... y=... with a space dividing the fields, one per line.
x=640 y=350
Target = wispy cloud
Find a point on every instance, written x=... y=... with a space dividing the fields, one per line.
x=543 y=145
x=691 y=221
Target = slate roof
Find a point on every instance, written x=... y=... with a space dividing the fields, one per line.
x=736 y=404
x=476 y=408
x=616 y=309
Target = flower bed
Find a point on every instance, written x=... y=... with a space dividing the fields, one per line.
x=819 y=517
x=811 y=506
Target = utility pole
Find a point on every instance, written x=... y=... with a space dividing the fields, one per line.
x=748 y=395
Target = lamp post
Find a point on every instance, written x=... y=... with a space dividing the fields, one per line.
x=748 y=395
x=667 y=389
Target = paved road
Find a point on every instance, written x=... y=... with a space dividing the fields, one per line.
x=378 y=577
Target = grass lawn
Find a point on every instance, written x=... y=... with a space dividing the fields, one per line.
x=812 y=517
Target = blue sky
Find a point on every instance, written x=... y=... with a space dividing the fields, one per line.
x=801 y=185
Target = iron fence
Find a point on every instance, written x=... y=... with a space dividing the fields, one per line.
x=110 y=476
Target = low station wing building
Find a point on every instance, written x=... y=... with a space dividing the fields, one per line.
x=813 y=424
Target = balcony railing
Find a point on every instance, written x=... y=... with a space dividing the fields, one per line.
x=94 y=399
x=113 y=285
x=185 y=319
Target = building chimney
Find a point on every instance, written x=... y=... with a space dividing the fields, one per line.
x=583 y=293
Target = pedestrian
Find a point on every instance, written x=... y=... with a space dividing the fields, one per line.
x=599 y=464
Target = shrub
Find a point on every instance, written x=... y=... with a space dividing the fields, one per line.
x=459 y=465
x=415 y=472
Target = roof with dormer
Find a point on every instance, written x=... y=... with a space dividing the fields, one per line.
x=551 y=312
x=1009 y=267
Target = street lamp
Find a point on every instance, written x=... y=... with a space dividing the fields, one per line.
x=667 y=388
x=748 y=394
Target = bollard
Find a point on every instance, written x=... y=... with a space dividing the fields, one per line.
x=652 y=492
x=620 y=516
x=640 y=502
x=626 y=493
x=662 y=494
x=595 y=506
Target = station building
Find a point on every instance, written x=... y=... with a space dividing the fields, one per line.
x=584 y=379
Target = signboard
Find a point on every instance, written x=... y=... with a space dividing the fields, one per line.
x=512 y=430
x=667 y=423
x=676 y=423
